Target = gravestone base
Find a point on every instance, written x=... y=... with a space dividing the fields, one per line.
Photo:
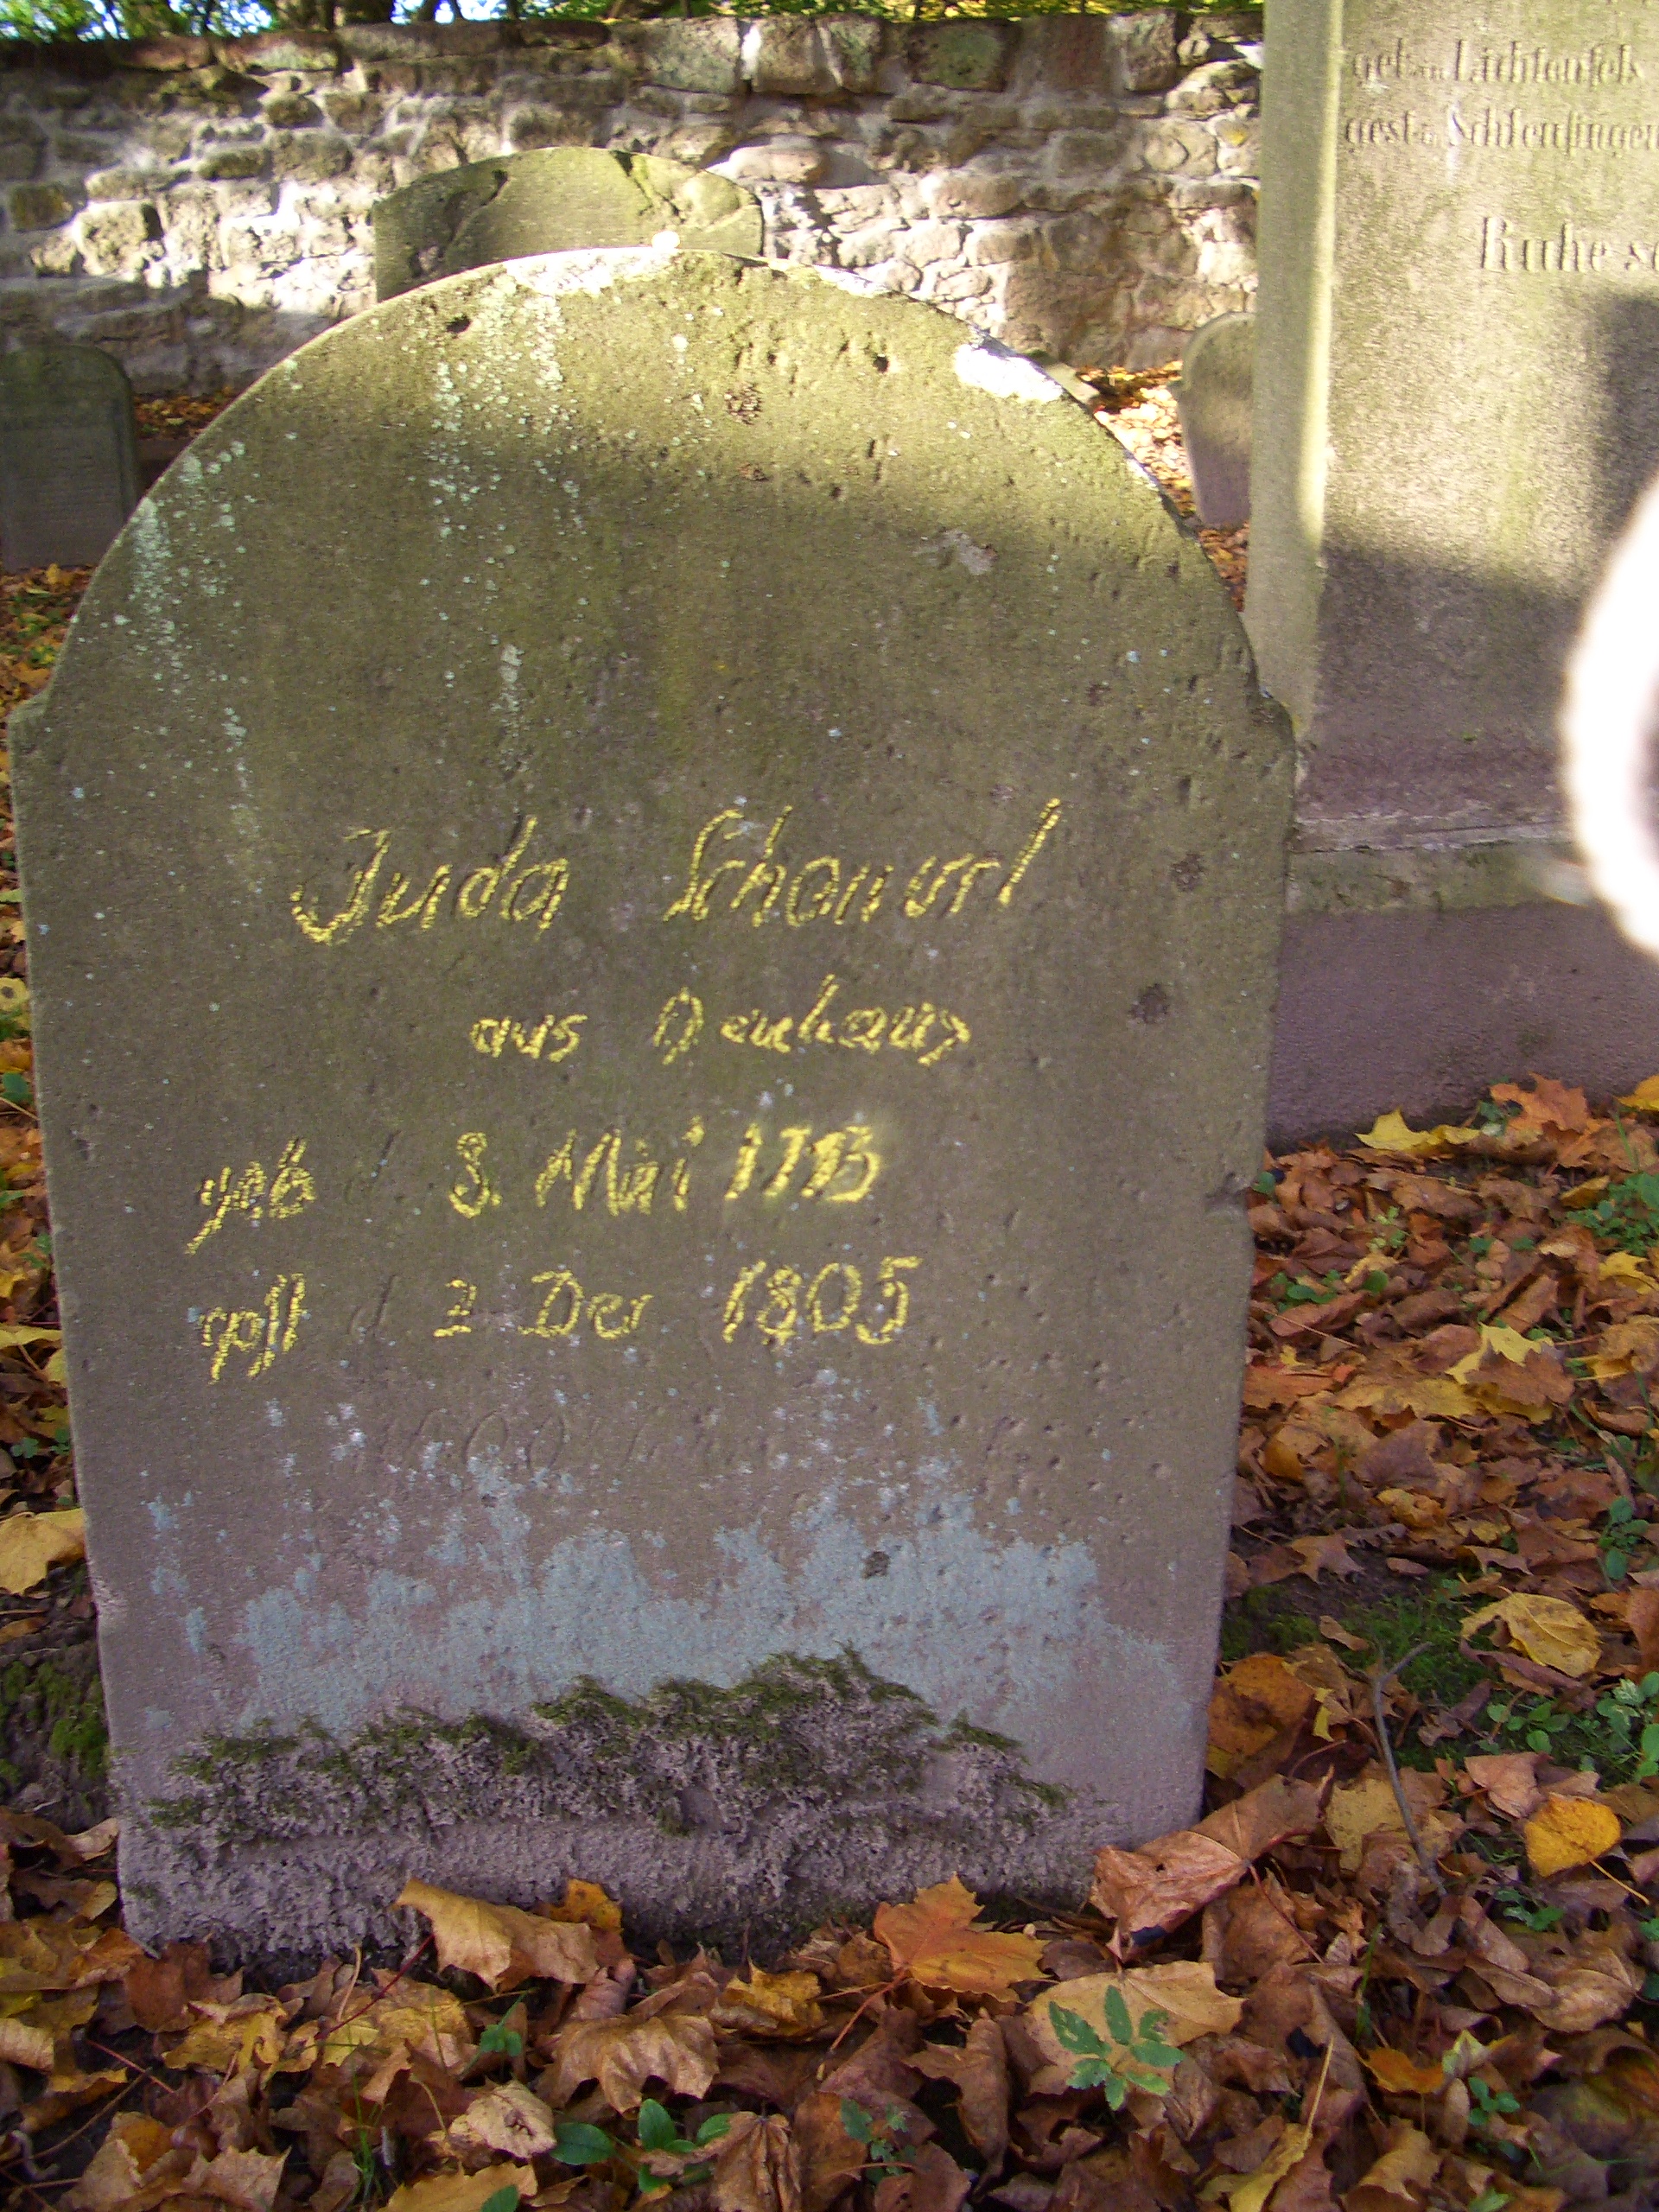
x=809 y=1791
x=1420 y=1009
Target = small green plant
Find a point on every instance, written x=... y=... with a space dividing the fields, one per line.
x=1133 y=2059
x=1487 y=2105
x=501 y=2200
x=881 y=2144
x=1540 y=1919
x=1621 y=1533
x=1629 y=1216
x=1631 y=1711
x=498 y=2039
x=577 y=2144
x=660 y=2139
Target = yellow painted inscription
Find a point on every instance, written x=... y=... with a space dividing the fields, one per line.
x=783 y=1304
x=847 y=1153
x=513 y=888
x=550 y=1040
x=930 y=1032
x=287 y=1191
x=832 y=889
x=266 y=1332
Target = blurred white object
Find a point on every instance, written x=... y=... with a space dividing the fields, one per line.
x=1608 y=719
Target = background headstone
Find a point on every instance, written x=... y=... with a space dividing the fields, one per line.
x=666 y=1226
x=68 y=455
x=553 y=201
x=1213 y=397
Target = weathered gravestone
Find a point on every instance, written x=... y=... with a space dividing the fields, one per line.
x=1213 y=398
x=68 y=455
x=1457 y=402
x=652 y=890
x=553 y=201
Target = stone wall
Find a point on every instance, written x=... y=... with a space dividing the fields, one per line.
x=1082 y=186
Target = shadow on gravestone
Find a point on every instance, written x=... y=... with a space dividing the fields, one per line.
x=68 y=455
x=708 y=858
x=1213 y=397
x=554 y=201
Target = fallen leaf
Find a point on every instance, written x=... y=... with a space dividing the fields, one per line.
x=935 y=1940
x=770 y=2005
x=1569 y=1831
x=1249 y=2192
x=32 y=1544
x=1251 y=1704
x=129 y=2159
x=1548 y=1630
x=1402 y=2076
x=979 y=2072
x=1319 y=1554
x=462 y=2192
x=1149 y=1891
x=1391 y=1133
x=412 y=2017
x=24 y=2043
x=1400 y=2179
x=676 y=2049
x=587 y=1901
x=1363 y=1809
x=250 y=2032
x=757 y=2168
x=502 y=1945
x=1509 y=1780
x=1184 y=1991
x=511 y=2119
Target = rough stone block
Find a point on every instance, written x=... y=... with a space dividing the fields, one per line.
x=1217 y=86
x=43 y=206
x=657 y=1532
x=548 y=202
x=165 y=55
x=269 y=53
x=1063 y=53
x=114 y=239
x=19 y=153
x=811 y=57
x=309 y=156
x=221 y=164
x=780 y=161
x=1214 y=397
x=292 y=110
x=970 y=56
x=692 y=54
x=974 y=192
x=1144 y=58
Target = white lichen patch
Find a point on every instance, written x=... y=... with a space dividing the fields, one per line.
x=990 y=368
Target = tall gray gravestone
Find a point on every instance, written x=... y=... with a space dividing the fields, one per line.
x=68 y=455
x=553 y=200
x=1213 y=398
x=1457 y=402
x=661 y=1247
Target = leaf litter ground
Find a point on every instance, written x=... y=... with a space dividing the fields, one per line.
x=1406 y=1959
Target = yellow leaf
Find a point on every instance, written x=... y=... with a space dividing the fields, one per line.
x=502 y=1945
x=1569 y=1831
x=587 y=1901
x=1645 y=1096
x=1402 y=2076
x=31 y=1544
x=462 y=2192
x=935 y=1939
x=770 y=2005
x=1625 y=1267
x=1391 y=1134
x=233 y=2038
x=1249 y=2192
x=1548 y=1630
x=413 y=2017
x=1430 y=1397
x=13 y=1333
x=56 y=1369
x=1363 y=1808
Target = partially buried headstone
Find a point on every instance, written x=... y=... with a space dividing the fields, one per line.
x=553 y=200
x=68 y=455
x=1214 y=399
x=652 y=890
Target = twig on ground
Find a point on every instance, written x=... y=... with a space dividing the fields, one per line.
x=1378 y=1682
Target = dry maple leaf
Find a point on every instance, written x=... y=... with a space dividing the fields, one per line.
x=1403 y=2076
x=412 y=2017
x=248 y=2033
x=1152 y=1891
x=979 y=2072
x=1319 y=1554
x=780 y=2004
x=589 y=1901
x=502 y=1945
x=622 y=2055
x=757 y=2168
x=1402 y=2176
x=936 y=1942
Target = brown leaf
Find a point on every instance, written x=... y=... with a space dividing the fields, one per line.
x=1403 y=2076
x=932 y=2182
x=462 y=2192
x=757 y=2168
x=1150 y=1891
x=1319 y=1555
x=676 y=2049
x=1400 y=2179
x=979 y=2071
x=764 y=2004
x=1251 y=1704
x=830 y=2160
x=161 y=1992
x=511 y=2119
x=1642 y=1618
x=935 y=1939
x=1509 y=1780
x=502 y=1945
x=589 y=1901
